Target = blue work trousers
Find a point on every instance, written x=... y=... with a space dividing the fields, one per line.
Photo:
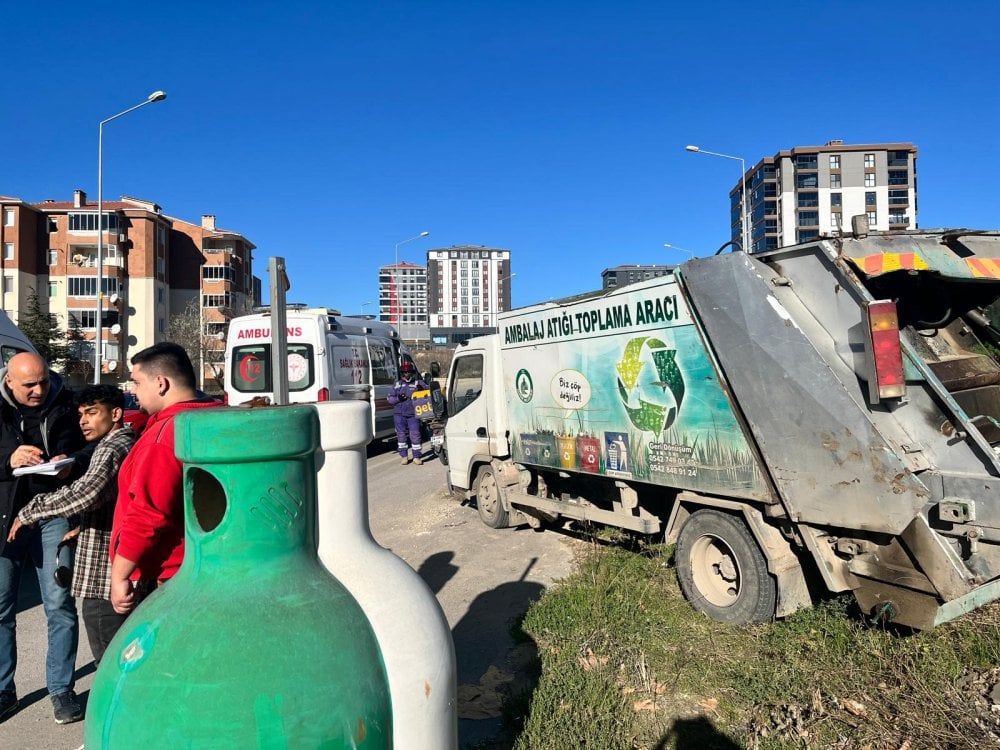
x=36 y=546
x=407 y=432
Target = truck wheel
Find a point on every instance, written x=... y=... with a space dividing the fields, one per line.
x=722 y=571
x=491 y=509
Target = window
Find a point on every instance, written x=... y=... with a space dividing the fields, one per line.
x=53 y=224
x=809 y=218
x=836 y=222
x=836 y=199
x=251 y=367
x=87 y=222
x=869 y=179
x=897 y=217
x=216 y=300
x=806 y=161
x=86 y=286
x=466 y=382
x=899 y=177
x=870 y=198
x=869 y=161
x=872 y=218
x=8 y=284
x=835 y=181
x=8 y=251
x=53 y=257
x=808 y=234
x=834 y=161
x=86 y=318
x=8 y=217
x=899 y=197
x=807 y=180
x=218 y=273
x=53 y=289
x=808 y=200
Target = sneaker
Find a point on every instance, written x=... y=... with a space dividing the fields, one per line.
x=66 y=708
x=418 y=461
x=405 y=461
x=8 y=704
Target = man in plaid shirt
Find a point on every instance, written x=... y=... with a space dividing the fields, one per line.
x=92 y=496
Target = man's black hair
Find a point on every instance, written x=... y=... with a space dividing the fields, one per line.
x=109 y=395
x=170 y=359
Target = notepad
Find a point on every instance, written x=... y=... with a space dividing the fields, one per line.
x=51 y=468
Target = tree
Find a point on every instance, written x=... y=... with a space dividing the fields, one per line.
x=42 y=330
x=188 y=330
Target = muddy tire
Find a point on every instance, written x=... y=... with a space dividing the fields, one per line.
x=488 y=502
x=722 y=571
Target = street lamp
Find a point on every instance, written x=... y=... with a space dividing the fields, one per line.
x=363 y=308
x=156 y=96
x=683 y=250
x=744 y=229
x=395 y=273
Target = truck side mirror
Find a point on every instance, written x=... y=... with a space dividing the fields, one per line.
x=435 y=369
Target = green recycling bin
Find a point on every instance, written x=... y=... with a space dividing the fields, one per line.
x=253 y=644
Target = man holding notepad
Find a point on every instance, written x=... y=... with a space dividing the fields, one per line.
x=38 y=423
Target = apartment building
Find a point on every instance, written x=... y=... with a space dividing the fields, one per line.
x=467 y=286
x=808 y=191
x=612 y=278
x=153 y=266
x=402 y=300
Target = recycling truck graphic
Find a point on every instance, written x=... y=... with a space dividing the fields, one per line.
x=600 y=386
x=828 y=410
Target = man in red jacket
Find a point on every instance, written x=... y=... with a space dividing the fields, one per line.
x=147 y=537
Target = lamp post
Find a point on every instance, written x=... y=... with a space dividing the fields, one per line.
x=156 y=96
x=744 y=228
x=683 y=250
x=363 y=308
x=395 y=275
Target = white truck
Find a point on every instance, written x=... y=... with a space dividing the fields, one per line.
x=331 y=357
x=822 y=415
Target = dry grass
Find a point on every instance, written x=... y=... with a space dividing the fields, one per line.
x=626 y=663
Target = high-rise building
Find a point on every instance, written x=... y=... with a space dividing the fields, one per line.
x=402 y=299
x=154 y=268
x=809 y=191
x=612 y=278
x=467 y=286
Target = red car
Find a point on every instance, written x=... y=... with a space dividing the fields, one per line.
x=134 y=417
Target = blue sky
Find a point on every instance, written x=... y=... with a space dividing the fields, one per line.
x=326 y=132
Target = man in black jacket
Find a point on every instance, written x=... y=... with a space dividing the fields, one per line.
x=38 y=423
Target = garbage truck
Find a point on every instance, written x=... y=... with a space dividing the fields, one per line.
x=820 y=417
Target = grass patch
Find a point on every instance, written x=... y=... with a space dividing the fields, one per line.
x=626 y=663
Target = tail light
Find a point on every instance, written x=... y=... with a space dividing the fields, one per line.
x=886 y=352
x=324 y=394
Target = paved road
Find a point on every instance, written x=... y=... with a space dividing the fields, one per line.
x=483 y=578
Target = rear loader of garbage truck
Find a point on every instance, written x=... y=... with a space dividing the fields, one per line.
x=829 y=410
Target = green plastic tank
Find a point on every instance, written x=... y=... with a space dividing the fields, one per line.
x=253 y=644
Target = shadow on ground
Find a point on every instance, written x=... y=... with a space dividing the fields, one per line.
x=698 y=733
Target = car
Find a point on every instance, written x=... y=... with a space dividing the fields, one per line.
x=134 y=416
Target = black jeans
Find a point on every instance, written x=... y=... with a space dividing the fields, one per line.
x=101 y=623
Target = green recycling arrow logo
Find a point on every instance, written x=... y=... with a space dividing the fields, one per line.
x=647 y=415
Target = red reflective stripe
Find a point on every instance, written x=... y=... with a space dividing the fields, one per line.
x=324 y=394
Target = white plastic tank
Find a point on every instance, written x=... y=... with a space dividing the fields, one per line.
x=411 y=629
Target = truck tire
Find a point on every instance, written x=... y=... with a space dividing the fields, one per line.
x=722 y=571
x=488 y=502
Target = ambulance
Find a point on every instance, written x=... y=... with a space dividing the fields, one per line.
x=331 y=357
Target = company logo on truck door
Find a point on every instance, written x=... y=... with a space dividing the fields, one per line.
x=637 y=391
x=523 y=385
x=264 y=333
